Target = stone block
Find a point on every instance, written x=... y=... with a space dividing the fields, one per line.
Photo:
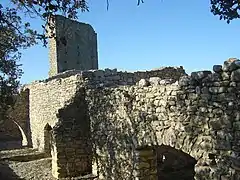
x=185 y=81
x=231 y=64
x=154 y=81
x=225 y=75
x=217 y=68
x=235 y=76
x=143 y=83
x=199 y=75
x=217 y=90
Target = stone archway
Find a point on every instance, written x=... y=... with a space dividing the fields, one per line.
x=199 y=146
x=24 y=137
x=164 y=163
x=12 y=135
x=19 y=114
x=174 y=164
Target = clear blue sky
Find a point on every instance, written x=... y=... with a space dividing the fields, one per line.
x=154 y=34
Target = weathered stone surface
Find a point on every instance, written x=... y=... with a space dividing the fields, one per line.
x=154 y=81
x=230 y=64
x=166 y=81
x=143 y=83
x=185 y=81
x=75 y=46
x=235 y=76
x=225 y=75
x=199 y=75
x=217 y=68
x=121 y=111
x=212 y=78
x=216 y=90
x=237 y=62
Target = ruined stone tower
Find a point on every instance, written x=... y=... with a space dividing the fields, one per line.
x=74 y=46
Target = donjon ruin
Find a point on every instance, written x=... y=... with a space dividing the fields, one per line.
x=73 y=46
x=161 y=124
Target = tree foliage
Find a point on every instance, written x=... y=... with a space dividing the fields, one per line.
x=16 y=34
x=226 y=9
x=13 y=36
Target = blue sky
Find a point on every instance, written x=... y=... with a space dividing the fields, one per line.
x=154 y=34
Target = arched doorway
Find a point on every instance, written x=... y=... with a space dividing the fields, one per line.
x=47 y=139
x=174 y=164
x=164 y=163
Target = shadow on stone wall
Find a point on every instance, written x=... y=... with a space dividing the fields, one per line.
x=198 y=116
x=9 y=144
x=6 y=173
x=122 y=133
x=115 y=139
x=72 y=148
x=10 y=136
x=207 y=111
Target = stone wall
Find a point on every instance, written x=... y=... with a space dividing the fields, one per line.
x=128 y=117
x=73 y=46
x=112 y=77
x=196 y=114
x=72 y=148
x=46 y=98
